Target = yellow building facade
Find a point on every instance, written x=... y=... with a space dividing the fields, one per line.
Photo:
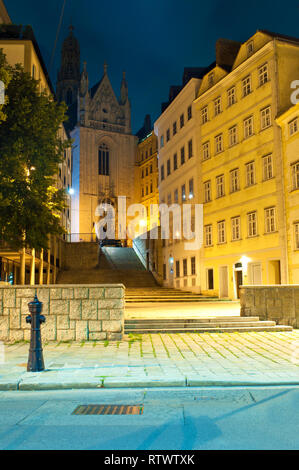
x=289 y=123
x=29 y=266
x=241 y=171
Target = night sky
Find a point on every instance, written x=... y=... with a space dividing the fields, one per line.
x=151 y=40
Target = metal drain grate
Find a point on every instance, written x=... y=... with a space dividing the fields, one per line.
x=108 y=410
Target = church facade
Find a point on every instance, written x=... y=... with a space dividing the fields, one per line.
x=104 y=149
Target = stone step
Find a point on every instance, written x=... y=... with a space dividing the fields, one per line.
x=239 y=329
x=176 y=325
x=153 y=321
x=172 y=299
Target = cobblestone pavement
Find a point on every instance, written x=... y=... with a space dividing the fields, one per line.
x=158 y=360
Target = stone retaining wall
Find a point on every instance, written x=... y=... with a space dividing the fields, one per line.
x=279 y=303
x=73 y=313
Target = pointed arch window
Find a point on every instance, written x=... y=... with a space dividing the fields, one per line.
x=104 y=157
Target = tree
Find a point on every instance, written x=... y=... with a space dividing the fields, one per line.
x=5 y=77
x=30 y=152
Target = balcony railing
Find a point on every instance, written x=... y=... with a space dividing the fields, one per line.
x=81 y=237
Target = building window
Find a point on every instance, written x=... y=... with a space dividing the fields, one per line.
x=266 y=117
x=162 y=141
x=189 y=112
x=151 y=187
x=104 y=156
x=296 y=235
x=267 y=167
x=167 y=135
x=174 y=128
x=142 y=192
x=246 y=86
x=176 y=196
x=233 y=136
x=182 y=155
x=249 y=48
x=217 y=106
x=250 y=173
x=193 y=266
x=151 y=169
x=146 y=171
x=169 y=199
x=185 y=268
x=208 y=236
x=183 y=192
x=210 y=279
x=190 y=148
x=263 y=74
x=191 y=188
x=177 y=269
x=220 y=186
x=236 y=228
x=207 y=191
x=146 y=191
x=168 y=167
x=270 y=224
x=219 y=143
x=252 y=224
x=206 y=151
x=293 y=126
x=182 y=121
x=231 y=96
x=234 y=180
x=162 y=173
x=211 y=79
x=204 y=115
x=175 y=162
x=295 y=175
x=248 y=127
x=221 y=231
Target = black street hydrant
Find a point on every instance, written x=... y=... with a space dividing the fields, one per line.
x=35 y=359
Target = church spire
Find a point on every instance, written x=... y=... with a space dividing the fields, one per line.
x=124 y=90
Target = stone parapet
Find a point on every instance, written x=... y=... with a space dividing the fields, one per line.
x=279 y=303
x=73 y=312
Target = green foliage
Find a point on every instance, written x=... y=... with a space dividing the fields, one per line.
x=31 y=149
x=5 y=77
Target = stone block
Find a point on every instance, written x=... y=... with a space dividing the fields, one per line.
x=89 y=309
x=27 y=293
x=113 y=326
x=114 y=293
x=24 y=306
x=6 y=312
x=59 y=307
x=1 y=293
x=67 y=293
x=103 y=314
x=75 y=309
x=96 y=336
x=116 y=314
x=16 y=335
x=1 y=307
x=4 y=329
x=63 y=322
x=111 y=303
x=48 y=329
x=9 y=297
x=114 y=336
x=81 y=292
x=14 y=320
x=43 y=295
x=55 y=293
x=27 y=335
x=96 y=292
x=82 y=331
x=95 y=325
x=66 y=335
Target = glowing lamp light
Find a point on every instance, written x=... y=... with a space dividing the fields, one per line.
x=71 y=191
x=191 y=196
x=171 y=260
x=142 y=223
x=245 y=260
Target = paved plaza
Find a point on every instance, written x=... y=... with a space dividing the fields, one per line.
x=166 y=360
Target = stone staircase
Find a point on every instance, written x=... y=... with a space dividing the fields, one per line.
x=164 y=294
x=201 y=325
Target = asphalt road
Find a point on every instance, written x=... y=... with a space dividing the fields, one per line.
x=172 y=419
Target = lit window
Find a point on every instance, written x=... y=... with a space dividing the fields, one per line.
x=231 y=96
x=294 y=126
x=236 y=228
x=248 y=127
x=266 y=117
x=234 y=180
x=208 y=236
x=218 y=143
x=220 y=186
x=221 y=231
x=250 y=173
x=263 y=74
x=252 y=224
x=233 y=136
x=270 y=225
x=246 y=85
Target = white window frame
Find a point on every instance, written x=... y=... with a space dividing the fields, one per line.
x=252 y=224
x=208 y=235
x=236 y=228
x=263 y=73
x=218 y=143
x=204 y=114
x=266 y=118
x=234 y=180
x=221 y=232
x=206 y=153
x=220 y=186
x=293 y=126
x=246 y=86
x=231 y=96
x=267 y=167
x=250 y=173
x=270 y=219
x=233 y=135
x=295 y=175
x=217 y=106
x=207 y=191
x=248 y=127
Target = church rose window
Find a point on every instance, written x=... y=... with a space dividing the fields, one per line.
x=104 y=160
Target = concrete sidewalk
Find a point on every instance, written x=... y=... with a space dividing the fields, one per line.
x=166 y=360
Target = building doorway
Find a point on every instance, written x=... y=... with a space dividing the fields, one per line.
x=274 y=272
x=223 y=281
x=256 y=274
x=210 y=279
x=238 y=275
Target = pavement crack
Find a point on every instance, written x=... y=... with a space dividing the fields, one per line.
x=32 y=411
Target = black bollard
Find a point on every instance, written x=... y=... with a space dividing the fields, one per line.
x=35 y=359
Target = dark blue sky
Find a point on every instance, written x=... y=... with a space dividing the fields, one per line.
x=151 y=39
